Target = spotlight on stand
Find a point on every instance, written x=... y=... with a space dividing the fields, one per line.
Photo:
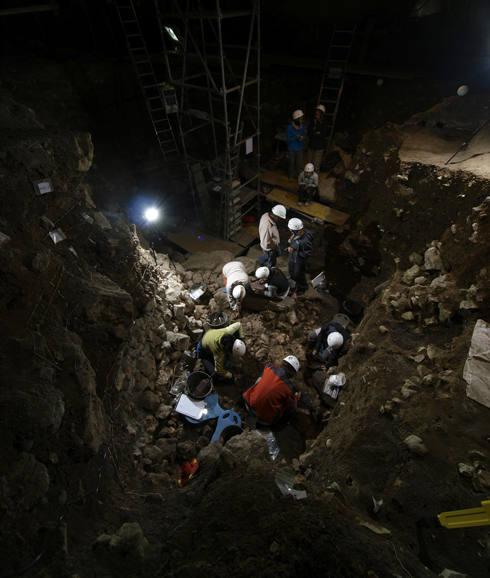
x=152 y=214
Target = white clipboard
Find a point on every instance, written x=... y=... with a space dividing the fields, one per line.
x=191 y=408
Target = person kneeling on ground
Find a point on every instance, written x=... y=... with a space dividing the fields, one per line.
x=236 y=283
x=218 y=347
x=274 y=396
x=307 y=185
x=271 y=282
x=330 y=342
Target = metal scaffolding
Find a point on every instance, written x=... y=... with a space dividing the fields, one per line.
x=212 y=55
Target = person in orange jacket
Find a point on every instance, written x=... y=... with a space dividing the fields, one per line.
x=274 y=396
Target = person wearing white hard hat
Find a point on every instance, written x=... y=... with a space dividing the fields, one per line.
x=330 y=341
x=317 y=137
x=273 y=398
x=296 y=135
x=218 y=347
x=271 y=282
x=236 y=283
x=307 y=185
x=300 y=248
x=269 y=235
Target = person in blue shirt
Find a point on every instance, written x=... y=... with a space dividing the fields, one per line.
x=296 y=143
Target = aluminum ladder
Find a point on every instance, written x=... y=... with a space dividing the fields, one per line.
x=332 y=83
x=158 y=98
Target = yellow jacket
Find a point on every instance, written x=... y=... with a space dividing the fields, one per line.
x=212 y=342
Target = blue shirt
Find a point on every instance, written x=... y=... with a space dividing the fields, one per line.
x=295 y=145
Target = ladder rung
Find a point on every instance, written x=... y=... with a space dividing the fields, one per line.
x=341 y=46
x=133 y=35
x=129 y=21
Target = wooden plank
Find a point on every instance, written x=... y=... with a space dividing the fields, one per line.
x=279 y=179
x=246 y=236
x=201 y=243
x=314 y=211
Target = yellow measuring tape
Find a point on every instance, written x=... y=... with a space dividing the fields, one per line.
x=466 y=518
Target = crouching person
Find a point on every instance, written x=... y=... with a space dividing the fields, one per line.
x=271 y=282
x=307 y=185
x=273 y=398
x=218 y=347
x=330 y=342
x=236 y=283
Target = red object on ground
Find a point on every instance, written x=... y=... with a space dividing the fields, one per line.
x=270 y=397
x=187 y=471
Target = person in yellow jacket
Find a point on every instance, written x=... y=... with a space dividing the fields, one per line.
x=218 y=346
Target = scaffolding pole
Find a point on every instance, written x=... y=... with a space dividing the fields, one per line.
x=219 y=106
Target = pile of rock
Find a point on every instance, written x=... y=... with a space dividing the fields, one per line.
x=147 y=365
x=427 y=293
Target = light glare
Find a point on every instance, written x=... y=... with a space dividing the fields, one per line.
x=171 y=33
x=152 y=214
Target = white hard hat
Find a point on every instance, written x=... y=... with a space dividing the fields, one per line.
x=239 y=292
x=297 y=114
x=279 y=211
x=239 y=348
x=293 y=362
x=335 y=340
x=320 y=107
x=295 y=224
x=309 y=168
x=262 y=273
x=462 y=90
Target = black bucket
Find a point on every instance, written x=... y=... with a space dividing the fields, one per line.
x=217 y=320
x=199 y=385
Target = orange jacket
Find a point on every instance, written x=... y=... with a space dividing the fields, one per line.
x=272 y=396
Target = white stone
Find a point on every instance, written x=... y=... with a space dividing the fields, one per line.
x=432 y=259
x=415 y=445
x=466 y=470
x=179 y=341
x=4 y=239
x=447 y=573
x=411 y=274
x=476 y=371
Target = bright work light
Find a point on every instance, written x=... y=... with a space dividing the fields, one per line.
x=152 y=214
